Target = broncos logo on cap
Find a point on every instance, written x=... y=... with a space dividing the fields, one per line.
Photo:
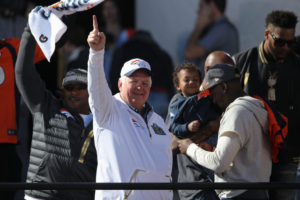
x=135 y=61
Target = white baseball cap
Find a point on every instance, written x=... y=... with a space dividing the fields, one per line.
x=133 y=65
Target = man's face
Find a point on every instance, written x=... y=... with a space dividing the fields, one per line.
x=278 y=41
x=218 y=93
x=76 y=97
x=204 y=9
x=188 y=82
x=135 y=89
x=202 y=6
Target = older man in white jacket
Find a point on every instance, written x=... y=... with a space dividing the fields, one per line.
x=132 y=141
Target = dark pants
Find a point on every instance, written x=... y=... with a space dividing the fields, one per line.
x=251 y=195
x=283 y=172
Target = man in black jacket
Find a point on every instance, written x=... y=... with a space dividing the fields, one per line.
x=62 y=147
x=272 y=71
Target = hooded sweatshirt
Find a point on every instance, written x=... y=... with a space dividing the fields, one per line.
x=243 y=152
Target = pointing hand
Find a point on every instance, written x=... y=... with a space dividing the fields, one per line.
x=96 y=39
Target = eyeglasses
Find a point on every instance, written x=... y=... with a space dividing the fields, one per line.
x=281 y=42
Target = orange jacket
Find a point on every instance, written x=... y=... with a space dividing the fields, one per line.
x=278 y=128
x=8 y=110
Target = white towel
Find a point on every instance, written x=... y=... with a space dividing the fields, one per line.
x=46 y=25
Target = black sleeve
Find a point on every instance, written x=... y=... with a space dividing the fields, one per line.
x=237 y=59
x=28 y=81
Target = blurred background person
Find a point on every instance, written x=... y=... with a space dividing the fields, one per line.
x=115 y=33
x=212 y=31
x=12 y=18
x=75 y=48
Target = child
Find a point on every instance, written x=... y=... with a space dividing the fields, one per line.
x=187 y=80
x=187 y=115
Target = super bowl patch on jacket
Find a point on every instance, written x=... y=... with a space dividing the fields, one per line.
x=157 y=130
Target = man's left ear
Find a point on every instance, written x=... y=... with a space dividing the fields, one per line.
x=266 y=34
x=225 y=87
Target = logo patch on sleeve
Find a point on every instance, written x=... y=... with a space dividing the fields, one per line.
x=157 y=130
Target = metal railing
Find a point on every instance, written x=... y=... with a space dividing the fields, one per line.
x=148 y=186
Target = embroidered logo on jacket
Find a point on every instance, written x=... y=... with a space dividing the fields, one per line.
x=158 y=130
x=136 y=124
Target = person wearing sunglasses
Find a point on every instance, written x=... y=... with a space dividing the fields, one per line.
x=271 y=70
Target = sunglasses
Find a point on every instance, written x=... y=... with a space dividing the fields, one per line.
x=281 y=42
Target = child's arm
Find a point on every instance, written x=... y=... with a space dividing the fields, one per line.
x=193 y=126
x=181 y=127
x=180 y=130
x=178 y=126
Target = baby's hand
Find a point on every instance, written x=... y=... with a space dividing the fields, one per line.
x=193 y=126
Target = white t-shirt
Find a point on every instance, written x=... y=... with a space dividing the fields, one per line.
x=86 y=119
x=243 y=152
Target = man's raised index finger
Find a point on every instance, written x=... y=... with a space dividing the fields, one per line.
x=95 y=23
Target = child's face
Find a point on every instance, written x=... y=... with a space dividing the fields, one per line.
x=189 y=82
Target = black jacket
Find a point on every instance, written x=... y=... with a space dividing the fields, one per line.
x=62 y=149
x=254 y=69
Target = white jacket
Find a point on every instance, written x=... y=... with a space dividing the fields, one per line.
x=128 y=148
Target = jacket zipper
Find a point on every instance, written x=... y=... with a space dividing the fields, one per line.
x=85 y=146
x=149 y=131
